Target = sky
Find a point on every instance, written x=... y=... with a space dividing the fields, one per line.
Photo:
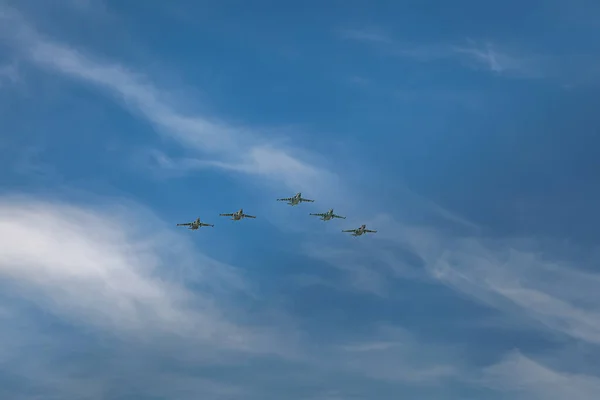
x=466 y=133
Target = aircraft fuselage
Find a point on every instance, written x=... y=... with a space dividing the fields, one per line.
x=295 y=200
x=360 y=231
x=238 y=215
x=328 y=215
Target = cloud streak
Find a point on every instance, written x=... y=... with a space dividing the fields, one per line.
x=510 y=275
x=9 y=74
x=520 y=376
x=236 y=149
x=92 y=266
x=364 y=35
x=485 y=56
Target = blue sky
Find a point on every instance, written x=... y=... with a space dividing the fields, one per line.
x=465 y=133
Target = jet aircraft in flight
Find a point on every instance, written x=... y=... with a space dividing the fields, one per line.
x=195 y=224
x=238 y=215
x=297 y=199
x=359 y=231
x=328 y=215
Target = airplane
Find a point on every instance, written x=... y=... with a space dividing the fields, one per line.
x=359 y=231
x=297 y=199
x=328 y=215
x=195 y=224
x=238 y=215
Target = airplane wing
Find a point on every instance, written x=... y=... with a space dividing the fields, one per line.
x=318 y=215
x=338 y=216
x=204 y=224
x=288 y=199
x=370 y=231
x=349 y=230
x=185 y=224
x=249 y=216
x=307 y=200
x=226 y=215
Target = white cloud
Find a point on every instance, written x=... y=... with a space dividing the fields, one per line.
x=397 y=355
x=474 y=54
x=525 y=378
x=357 y=274
x=364 y=35
x=100 y=268
x=512 y=276
x=488 y=56
x=236 y=149
x=9 y=74
x=119 y=269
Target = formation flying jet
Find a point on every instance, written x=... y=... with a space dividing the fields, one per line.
x=238 y=215
x=359 y=231
x=195 y=224
x=297 y=199
x=328 y=215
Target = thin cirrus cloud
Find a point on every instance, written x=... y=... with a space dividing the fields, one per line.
x=502 y=60
x=512 y=275
x=523 y=378
x=231 y=148
x=473 y=54
x=96 y=267
x=365 y=35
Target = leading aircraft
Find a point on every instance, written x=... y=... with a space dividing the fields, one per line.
x=238 y=215
x=359 y=231
x=195 y=224
x=297 y=199
x=328 y=215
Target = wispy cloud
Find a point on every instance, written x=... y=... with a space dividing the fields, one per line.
x=92 y=266
x=489 y=57
x=472 y=54
x=234 y=149
x=98 y=269
x=9 y=74
x=512 y=275
x=388 y=357
x=393 y=47
x=523 y=378
x=364 y=35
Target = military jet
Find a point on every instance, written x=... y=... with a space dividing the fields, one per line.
x=238 y=215
x=359 y=231
x=195 y=224
x=297 y=199
x=328 y=215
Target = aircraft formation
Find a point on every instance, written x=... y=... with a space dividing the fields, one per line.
x=292 y=201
